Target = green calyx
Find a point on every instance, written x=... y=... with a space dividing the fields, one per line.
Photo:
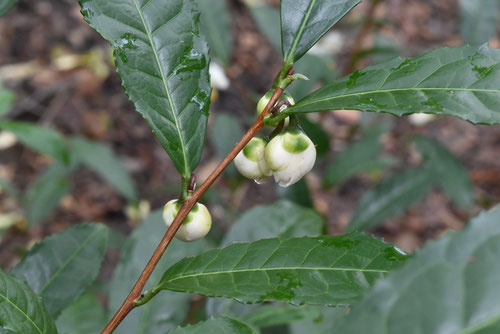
x=295 y=141
x=253 y=150
x=191 y=214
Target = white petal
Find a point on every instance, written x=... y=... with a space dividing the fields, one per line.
x=218 y=77
x=420 y=119
x=7 y=139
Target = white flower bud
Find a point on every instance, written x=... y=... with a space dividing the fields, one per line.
x=420 y=119
x=218 y=77
x=265 y=100
x=195 y=226
x=290 y=155
x=251 y=162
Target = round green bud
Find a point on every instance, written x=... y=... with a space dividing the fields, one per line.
x=265 y=100
x=195 y=226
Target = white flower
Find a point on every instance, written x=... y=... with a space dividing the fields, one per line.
x=7 y=139
x=290 y=155
x=251 y=162
x=420 y=119
x=218 y=77
x=195 y=226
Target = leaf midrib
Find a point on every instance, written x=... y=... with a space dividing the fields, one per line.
x=380 y=91
x=165 y=86
x=21 y=311
x=272 y=269
x=293 y=49
x=68 y=260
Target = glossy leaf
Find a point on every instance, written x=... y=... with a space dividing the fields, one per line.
x=6 y=96
x=39 y=138
x=44 y=195
x=282 y=219
x=461 y=82
x=391 y=198
x=322 y=270
x=304 y=22
x=215 y=326
x=166 y=310
x=273 y=315
x=225 y=133
x=163 y=65
x=85 y=316
x=62 y=266
x=105 y=163
x=21 y=310
x=449 y=171
x=354 y=159
x=478 y=20
x=214 y=25
x=449 y=286
x=5 y=5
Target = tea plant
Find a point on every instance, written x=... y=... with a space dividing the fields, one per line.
x=273 y=254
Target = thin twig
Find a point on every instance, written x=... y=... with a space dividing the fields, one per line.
x=186 y=206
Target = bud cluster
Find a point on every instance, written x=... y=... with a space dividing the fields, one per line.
x=288 y=156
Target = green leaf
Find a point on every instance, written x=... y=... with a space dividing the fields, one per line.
x=6 y=96
x=461 y=82
x=163 y=65
x=21 y=310
x=215 y=326
x=105 y=163
x=62 y=266
x=304 y=22
x=271 y=315
x=449 y=286
x=449 y=171
x=165 y=311
x=391 y=198
x=282 y=219
x=85 y=316
x=214 y=25
x=354 y=159
x=297 y=193
x=318 y=135
x=225 y=133
x=478 y=20
x=39 y=138
x=323 y=270
x=44 y=195
x=5 y=6
x=316 y=68
x=324 y=324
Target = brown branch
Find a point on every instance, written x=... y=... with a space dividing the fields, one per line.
x=128 y=304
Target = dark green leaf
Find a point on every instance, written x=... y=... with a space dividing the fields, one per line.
x=354 y=159
x=225 y=133
x=304 y=22
x=317 y=134
x=297 y=193
x=39 y=138
x=449 y=171
x=21 y=310
x=44 y=195
x=214 y=24
x=271 y=315
x=478 y=20
x=163 y=64
x=85 y=316
x=5 y=6
x=165 y=311
x=461 y=82
x=322 y=270
x=450 y=286
x=215 y=326
x=6 y=96
x=282 y=220
x=391 y=198
x=104 y=162
x=62 y=266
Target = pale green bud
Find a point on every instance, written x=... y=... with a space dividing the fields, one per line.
x=251 y=162
x=195 y=226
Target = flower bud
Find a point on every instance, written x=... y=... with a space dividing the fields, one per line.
x=251 y=162
x=290 y=155
x=195 y=226
x=265 y=100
